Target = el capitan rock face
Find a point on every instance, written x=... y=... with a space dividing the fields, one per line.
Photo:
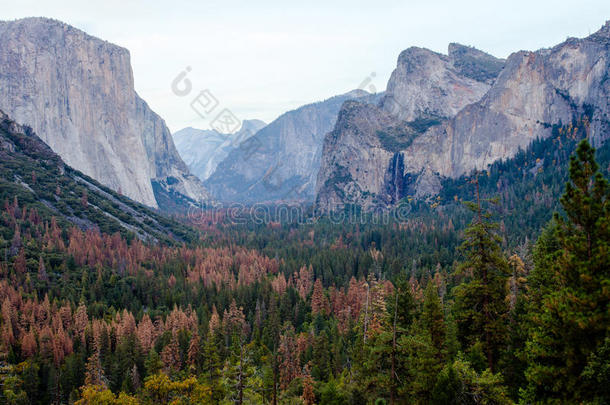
x=532 y=92
x=77 y=93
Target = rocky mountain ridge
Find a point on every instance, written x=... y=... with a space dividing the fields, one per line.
x=429 y=84
x=533 y=91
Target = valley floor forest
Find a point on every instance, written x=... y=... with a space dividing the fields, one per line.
x=500 y=300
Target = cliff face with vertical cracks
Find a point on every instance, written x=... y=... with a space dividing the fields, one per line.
x=77 y=93
x=467 y=113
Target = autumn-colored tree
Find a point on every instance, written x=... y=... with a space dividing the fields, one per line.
x=309 y=396
x=29 y=346
x=126 y=325
x=93 y=395
x=42 y=270
x=194 y=352
x=94 y=374
x=160 y=389
x=304 y=281
x=279 y=284
x=16 y=242
x=171 y=355
x=214 y=323
x=146 y=333
x=20 y=264
x=356 y=296
x=8 y=324
x=289 y=363
x=319 y=303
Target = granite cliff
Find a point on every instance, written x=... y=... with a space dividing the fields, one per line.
x=77 y=93
x=476 y=110
x=429 y=84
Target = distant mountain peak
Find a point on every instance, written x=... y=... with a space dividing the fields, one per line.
x=281 y=161
x=429 y=84
x=203 y=149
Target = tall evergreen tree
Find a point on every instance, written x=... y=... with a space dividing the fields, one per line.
x=401 y=312
x=570 y=319
x=426 y=347
x=212 y=366
x=480 y=301
x=433 y=319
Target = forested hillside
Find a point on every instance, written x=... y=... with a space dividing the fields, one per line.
x=35 y=176
x=103 y=301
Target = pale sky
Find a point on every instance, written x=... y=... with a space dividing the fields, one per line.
x=262 y=58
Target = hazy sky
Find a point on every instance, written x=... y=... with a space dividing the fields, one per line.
x=262 y=58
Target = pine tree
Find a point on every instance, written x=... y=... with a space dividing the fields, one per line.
x=480 y=306
x=42 y=271
x=513 y=366
x=289 y=364
x=153 y=363
x=380 y=360
x=433 y=319
x=426 y=348
x=95 y=374
x=402 y=304
x=135 y=377
x=171 y=355
x=321 y=369
x=239 y=372
x=309 y=397
x=569 y=312
x=319 y=303
x=8 y=325
x=401 y=311
x=212 y=366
